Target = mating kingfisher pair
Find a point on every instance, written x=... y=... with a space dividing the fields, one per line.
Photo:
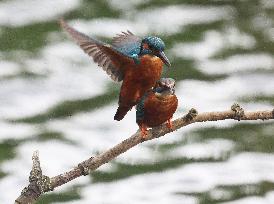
x=138 y=62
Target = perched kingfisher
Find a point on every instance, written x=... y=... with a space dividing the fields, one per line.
x=157 y=106
x=138 y=62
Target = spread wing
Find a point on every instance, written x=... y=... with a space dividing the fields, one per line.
x=105 y=55
x=127 y=43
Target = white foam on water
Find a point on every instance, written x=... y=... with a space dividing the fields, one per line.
x=221 y=94
x=24 y=99
x=211 y=44
x=209 y=149
x=220 y=194
x=124 y=192
x=238 y=63
x=8 y=68
x=25 y=12
x=171 y=19
x=159 y=20
x=214 y=42
x=108 y=27
x=15 y=131
x=67 y=74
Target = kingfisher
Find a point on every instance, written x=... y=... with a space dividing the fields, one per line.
x=157 y=106
x=138 y=62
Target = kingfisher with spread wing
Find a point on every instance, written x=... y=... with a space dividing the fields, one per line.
x=157 y=106
x=138 y=62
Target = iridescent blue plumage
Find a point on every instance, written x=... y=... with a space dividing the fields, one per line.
x=154 y=43
x=154 y=46
x=132 y=46
x=128 y=44
x=130 y=49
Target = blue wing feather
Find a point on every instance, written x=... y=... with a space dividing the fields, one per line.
x=127 y=43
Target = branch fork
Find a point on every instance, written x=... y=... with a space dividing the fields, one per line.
x=38 y=183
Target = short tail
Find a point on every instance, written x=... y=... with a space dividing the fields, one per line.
x=121 y=112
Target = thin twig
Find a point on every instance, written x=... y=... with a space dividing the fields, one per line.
x=39 y=184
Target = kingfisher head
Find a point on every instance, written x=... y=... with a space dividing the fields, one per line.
x=155 y=46
x=164 y=87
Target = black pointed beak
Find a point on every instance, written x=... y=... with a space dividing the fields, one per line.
x=164 y=58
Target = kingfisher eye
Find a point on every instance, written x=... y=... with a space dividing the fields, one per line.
x=146 y=46
x=150 y=47
x=158 y=89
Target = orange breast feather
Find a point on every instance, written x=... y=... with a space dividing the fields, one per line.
x=158 y=111
x=139 y=78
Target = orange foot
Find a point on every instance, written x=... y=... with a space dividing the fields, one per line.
x=169 y=124
x=143 y=129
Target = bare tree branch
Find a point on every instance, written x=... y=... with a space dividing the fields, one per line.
x=39 y=184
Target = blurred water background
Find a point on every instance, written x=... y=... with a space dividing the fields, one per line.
x=55 y=99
